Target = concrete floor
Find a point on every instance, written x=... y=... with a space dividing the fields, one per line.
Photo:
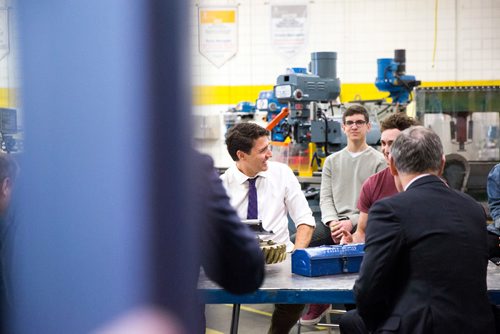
x=254 y=319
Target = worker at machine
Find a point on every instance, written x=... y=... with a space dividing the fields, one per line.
x=381 y=184
x=343 y=174
x=421 y=273
x=269 y=191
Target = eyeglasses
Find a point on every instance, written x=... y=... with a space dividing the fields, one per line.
x=358 y=123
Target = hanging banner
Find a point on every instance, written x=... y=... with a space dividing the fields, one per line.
x=4 y=32
x=218 y=33
x=288 y=28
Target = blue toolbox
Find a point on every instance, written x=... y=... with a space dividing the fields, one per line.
x=327 y=260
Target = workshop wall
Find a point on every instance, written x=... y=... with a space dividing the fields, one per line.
x=447 y=42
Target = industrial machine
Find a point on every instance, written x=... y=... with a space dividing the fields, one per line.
x=314 y=115
x=467 y=119
x=392 y=78
x=306 y=92
x=268 y=105
x=302 y=91
x=8 y=130
x=242 y=112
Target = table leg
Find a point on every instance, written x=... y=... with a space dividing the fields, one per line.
x=235 y=319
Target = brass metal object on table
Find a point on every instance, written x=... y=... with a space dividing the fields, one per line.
x=273 y=252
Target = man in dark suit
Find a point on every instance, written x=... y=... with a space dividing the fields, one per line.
x=424 y=269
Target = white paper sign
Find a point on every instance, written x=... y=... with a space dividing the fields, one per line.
x=218 y=33
x=4 y=32
x=288 y=28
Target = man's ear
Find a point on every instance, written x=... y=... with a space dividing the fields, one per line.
x=443 y=162
x=240 y=154
x=395 y=174
x=392 y=166
x=6 y=187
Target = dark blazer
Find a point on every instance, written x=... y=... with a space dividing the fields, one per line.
x=230 y=253
x=424 y=269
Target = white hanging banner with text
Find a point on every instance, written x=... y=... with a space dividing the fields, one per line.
x=288 y=28
x=4 y=32
x=218 y=33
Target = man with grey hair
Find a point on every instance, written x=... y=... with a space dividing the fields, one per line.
x=424 y=269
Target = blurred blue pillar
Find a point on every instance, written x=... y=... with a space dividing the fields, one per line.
x=102 y=219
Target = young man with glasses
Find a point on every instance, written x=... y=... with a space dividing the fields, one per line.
x=343 y=174
x=381 y=184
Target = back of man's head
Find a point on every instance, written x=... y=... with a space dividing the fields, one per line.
x=241 y=137
x=356 y=109
x=399 y=121
x=417 y=150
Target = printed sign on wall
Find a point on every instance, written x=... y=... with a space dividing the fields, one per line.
x=218 y=33
x=288 y=28
x=4 y=32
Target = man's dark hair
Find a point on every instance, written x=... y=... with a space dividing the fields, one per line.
x=242 y=137
x=8 y=167
x=417 y=150
x=356 y=109
x=399 y=121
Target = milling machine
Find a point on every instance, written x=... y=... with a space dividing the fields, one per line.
x=269 y=107
x=303 y=90
x=392 y=78
x=314 y=115
x=467 y=119
x=243 y=112
x=9 y=132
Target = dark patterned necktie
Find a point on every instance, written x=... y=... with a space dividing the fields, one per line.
x=253 y=208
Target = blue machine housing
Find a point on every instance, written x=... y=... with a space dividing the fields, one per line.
x=327 y=260
x=298 y=88
x=267 y=102
x=391 y=78
x=320 y=85
x=243 y=112
x=245 y=106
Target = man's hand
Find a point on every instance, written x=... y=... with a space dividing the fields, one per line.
x=347 y=238
x=357 y=237
x=336 y=228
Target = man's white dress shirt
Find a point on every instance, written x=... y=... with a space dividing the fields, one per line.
x=278 y=193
